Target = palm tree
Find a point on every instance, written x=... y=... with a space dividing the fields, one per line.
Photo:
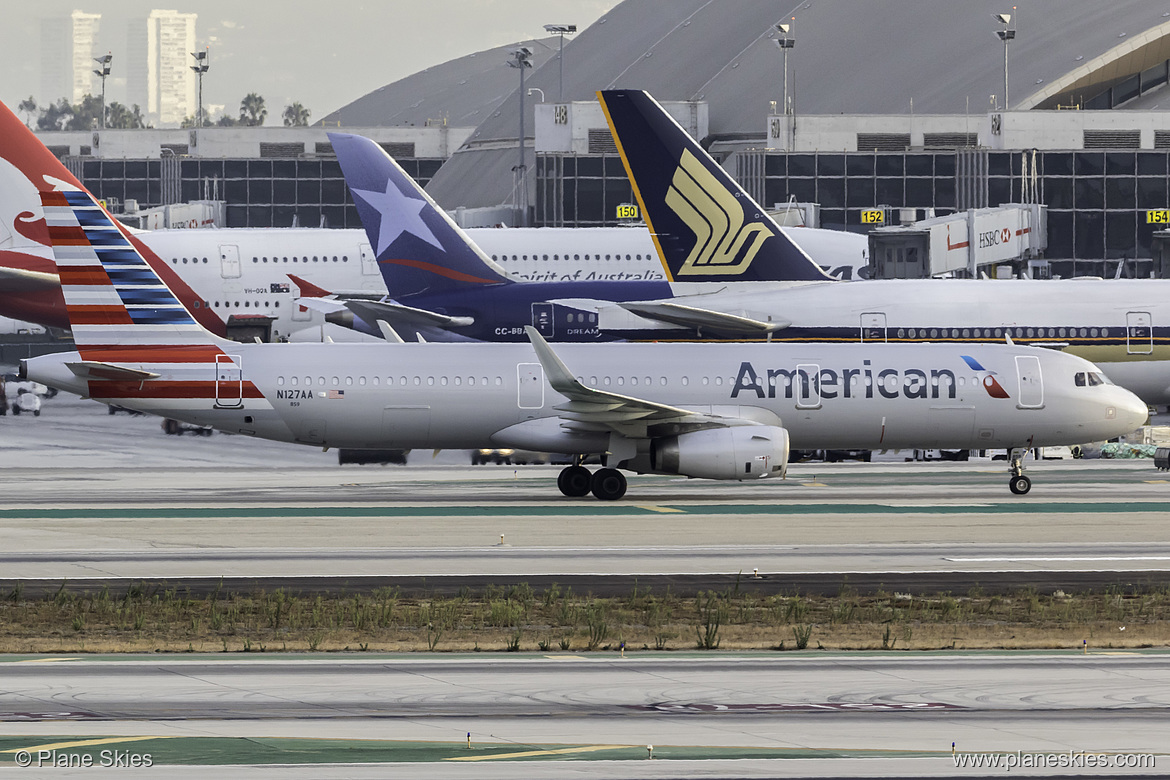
x=57 y=116
x=296 y=115
x=28 y=107
x=252 y=110
x=118 y=116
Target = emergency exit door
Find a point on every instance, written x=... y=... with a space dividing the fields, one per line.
x=1031 y=382
x=1139 y=333
x=229 y=261
x=873 y=326
x=229 y=382
x=542 y=319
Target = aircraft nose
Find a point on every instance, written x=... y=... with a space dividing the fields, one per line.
x=1130 y=410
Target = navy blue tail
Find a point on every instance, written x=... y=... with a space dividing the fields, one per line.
x=706 y=227
x=418 y=247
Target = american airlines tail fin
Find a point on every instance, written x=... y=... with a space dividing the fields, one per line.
x=419 y=248
x=113 y=298
x=28 y=171
x=706 y=228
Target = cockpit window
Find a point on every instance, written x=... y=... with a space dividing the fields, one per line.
x=1080 y=378
x=1089 y=379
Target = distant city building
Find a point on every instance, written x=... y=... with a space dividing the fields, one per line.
x=158 y=74
x=67 y=52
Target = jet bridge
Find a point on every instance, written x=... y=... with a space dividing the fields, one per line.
x=961 y=244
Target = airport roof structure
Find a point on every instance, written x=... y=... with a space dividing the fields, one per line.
x=857 y=58
x=462 y=92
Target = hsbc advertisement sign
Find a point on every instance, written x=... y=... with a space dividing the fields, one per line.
x=995 y=235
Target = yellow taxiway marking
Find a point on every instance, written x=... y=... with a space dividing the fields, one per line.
x=813 y=484
x=650 y=508
x=1156 y=481
x=565 y=657
x=43 y=660
x=82 y=743
x=527 y=753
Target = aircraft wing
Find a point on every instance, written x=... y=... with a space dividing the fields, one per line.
x=704 y=319
x=21 y=280
x=391 y=312
x=590 y=409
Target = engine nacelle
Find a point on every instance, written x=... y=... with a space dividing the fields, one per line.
x=742 y=452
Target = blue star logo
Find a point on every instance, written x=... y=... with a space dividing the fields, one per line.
x=398 y=214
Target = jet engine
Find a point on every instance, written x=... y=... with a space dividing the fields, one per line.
x=742 y=452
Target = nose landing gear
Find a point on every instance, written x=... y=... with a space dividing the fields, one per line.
x=1018 y=483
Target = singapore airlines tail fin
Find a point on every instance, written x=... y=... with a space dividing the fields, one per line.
x=419 y=248
x=706 y=228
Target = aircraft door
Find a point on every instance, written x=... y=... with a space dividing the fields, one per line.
x=229 y=382
x=529 y=385
x=1139 y=333
x=369 y=261
x=873 y=326
x=1031 y=382
x=229 y=261
x=808 y=386
x=542 y=319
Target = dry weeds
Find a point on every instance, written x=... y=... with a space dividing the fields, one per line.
x=558 y=621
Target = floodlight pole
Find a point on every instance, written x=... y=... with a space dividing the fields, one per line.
x=561 y=30
x=200 y=67
x=521 y=61
x=1006 y=34
x=102 y=72
x=785 y=40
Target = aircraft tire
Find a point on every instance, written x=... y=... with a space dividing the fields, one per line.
x=1020 y=485
x=574 y=481
x=608 y=484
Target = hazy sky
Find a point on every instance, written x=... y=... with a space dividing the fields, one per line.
x=324 y=53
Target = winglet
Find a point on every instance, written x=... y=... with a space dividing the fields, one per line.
x=559 y=375
x=308 y=289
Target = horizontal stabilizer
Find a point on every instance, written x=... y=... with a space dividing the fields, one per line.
x=706 y=319
x=93 y=369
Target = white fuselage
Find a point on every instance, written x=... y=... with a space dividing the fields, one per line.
x=1122 y=325
x=469 y=395
x=244 y=271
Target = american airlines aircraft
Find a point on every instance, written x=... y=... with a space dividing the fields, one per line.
x=714 y=411
x=703 y=221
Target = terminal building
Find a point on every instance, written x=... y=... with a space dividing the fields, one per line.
x=880 y=113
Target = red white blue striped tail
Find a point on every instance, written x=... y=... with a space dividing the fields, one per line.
x=140 y=347
x=112 y=295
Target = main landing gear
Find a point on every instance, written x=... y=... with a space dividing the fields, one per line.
x=1018 y=483
x=605 y=484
